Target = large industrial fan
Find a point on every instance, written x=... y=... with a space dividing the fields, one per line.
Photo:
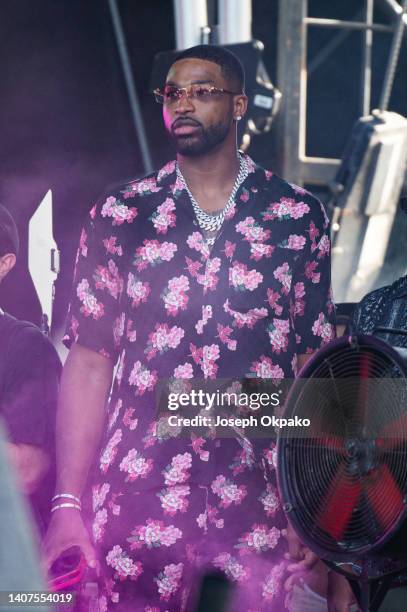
x=343 y=478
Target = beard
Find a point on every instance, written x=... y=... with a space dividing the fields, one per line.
x=204 y=141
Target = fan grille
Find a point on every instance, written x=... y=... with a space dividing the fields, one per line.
x=346 y=481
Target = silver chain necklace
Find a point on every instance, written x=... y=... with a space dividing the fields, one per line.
x=213 y=223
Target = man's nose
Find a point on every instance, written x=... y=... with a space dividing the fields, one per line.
x=184 y=104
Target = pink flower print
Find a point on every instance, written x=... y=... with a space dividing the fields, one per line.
x=164 y=217
x=154 y=534
x=297 y=189
x=224 y=332
x=323 y=328
x=115 y=413
x=153 y=253
x=137 y=290
x=252 y=231
x=278 y=333
x=82 y=244
x=92 y=212
x=231 y=566
x=259 y=539
x=168 y=169
x=109 y=279
x=313 y=232
x=99 y=494
x=258 y=250
x=286 y=208
x=118 y=212
x=249 y=318
x=125 y=567
x=324 y=246
x=196 y=241
x=118 y=329
x=143 y=378
x=175 y=296
x=243 y=279
x=177 y=471
x=310 y=271
x=168 y=580
x=111 y=246
x=193 y=266
x=90 y=305
x=299 y=305
x=163 y=338
x=270 y=454
x=283 y=274
x=141 y=187
x=243 y=460
x=294 y=242
x=110 y=451
x=273 y=582
x=264 y=368
x=128 y=420
x=269 y=500
x=99 y=522
x=273 y=297
x=135 y=465
x=210 y=354
x=268 y=174
x=174 y=499
x=206 y=315
x=197 y=444
x=209 y=280
x=229 y=249
x=177 y=187
x=131 y=333
x=231 y=212
x=184 y=370
x=228 y=492
x=245 y=195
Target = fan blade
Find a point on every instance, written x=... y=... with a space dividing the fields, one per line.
x=393 y=433
x=385 y=496
x=339 y=503
x=329 y=443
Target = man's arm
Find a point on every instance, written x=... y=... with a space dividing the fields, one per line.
x=85 y=384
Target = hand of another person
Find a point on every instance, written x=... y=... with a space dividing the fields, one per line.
x=304 y=557
x=67 y=529
x=31 y=464
x=340 y=595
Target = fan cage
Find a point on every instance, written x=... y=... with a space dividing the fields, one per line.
x=340 y=511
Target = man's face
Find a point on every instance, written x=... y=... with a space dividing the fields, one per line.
x=196 y=126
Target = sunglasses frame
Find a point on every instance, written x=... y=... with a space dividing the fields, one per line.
x=159 y=94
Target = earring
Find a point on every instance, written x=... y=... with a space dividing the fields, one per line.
x=238 y=118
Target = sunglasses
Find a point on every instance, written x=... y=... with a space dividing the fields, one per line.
x=171 y=94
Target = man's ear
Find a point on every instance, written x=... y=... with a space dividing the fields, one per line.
x=7 y=263
x=240 y=105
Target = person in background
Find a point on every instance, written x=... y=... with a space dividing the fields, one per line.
x=29 y=381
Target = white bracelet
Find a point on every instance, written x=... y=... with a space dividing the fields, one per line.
x=68 y=496
x=65 y=506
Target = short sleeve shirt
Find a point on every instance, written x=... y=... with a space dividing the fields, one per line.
x=151 y=296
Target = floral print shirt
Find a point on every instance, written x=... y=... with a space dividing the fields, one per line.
x=152 y=297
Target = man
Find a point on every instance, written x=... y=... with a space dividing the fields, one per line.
x=168 y=286
x=29 y=375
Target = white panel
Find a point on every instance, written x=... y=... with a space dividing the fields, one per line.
x=190 y=17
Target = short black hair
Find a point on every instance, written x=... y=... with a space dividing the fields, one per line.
x=231 y=67
x=9 y=242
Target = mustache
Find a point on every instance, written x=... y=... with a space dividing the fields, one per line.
x=181 y=121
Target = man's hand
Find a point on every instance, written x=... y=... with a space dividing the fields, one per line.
x=340 y=594
x=304 y=557
x=31 y=464
x=66 y=529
